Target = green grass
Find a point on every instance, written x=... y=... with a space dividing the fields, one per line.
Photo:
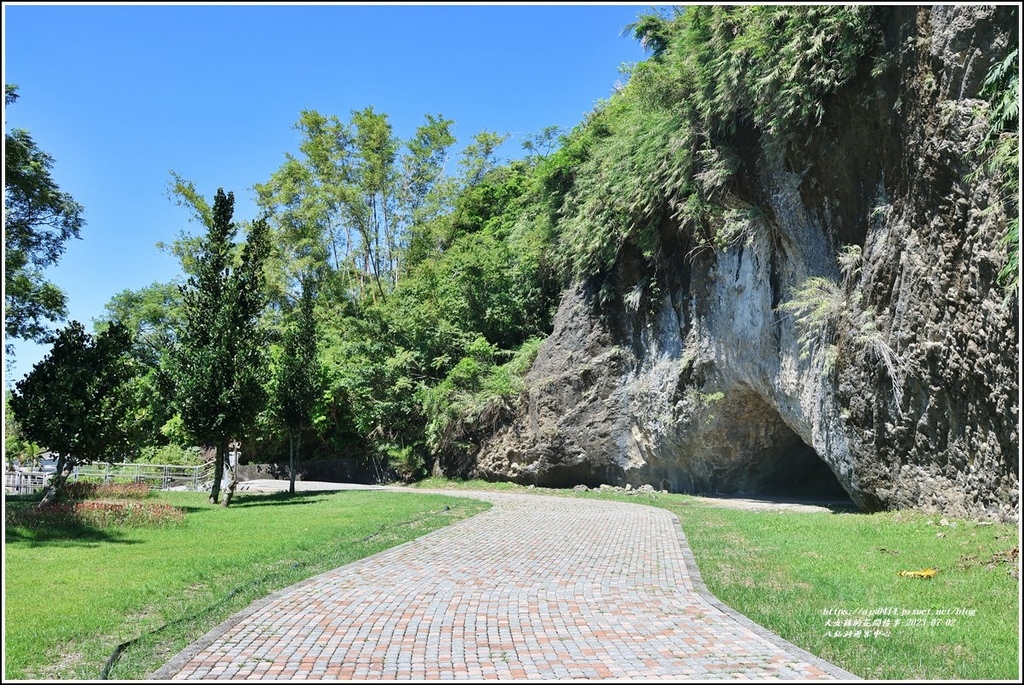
x=70 y=601
x=788 y=570
x=71 y=598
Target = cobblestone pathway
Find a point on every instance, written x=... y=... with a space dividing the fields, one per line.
x=536 y=587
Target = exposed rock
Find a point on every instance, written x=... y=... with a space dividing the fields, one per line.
x=702 y=387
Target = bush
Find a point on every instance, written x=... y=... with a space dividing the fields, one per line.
x=81 y=490
x=478 y=394
x=95 y=514
x=175 y=455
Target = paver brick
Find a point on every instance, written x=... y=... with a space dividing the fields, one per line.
x=536 y=587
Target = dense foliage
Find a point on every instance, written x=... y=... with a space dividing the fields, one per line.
x=216 y=370
x=663 y=148
x=75 y=400
x=38 y=220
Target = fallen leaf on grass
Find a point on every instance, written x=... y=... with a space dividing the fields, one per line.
x=927 y=573
x=1009 y=557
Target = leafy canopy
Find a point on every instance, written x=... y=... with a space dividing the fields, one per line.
x=38 y=220
x=217 y=364
x=75 y=401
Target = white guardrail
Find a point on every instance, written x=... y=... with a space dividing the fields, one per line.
x=160 y=476
x=24 y=482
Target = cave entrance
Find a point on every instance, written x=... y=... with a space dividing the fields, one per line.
x=749 y=450
x=794 y=469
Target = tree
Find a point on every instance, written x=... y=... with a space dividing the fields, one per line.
x=343 y=209
x=542 y=144
x=298 y=378
x=75 y=402
x=16 y=447
x=480 y=156
x=217 y=366
x=38 y=220
x=152 y=314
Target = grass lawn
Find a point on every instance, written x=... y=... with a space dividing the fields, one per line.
x=828 y=583
x=804 y=575
x=71 y=597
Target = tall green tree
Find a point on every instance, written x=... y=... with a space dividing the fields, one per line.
x=75 y=401
x=343 y=208
x=298 y=378
x=480 y=156
x=38 y=220
x=217 y=367
x=152 y=314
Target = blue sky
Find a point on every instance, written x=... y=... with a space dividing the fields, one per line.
x=120 y=95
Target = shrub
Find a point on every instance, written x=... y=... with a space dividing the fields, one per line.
x=81 y=490
x=95 y=514
x=171 y=454
x=478 y=393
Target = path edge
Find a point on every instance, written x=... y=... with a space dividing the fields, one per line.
x=178 y=661
x=784 y=644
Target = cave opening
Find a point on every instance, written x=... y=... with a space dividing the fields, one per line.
x=793 y=469
x=748 y=450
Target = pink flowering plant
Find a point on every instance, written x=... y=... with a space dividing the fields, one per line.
x=83 y=490
x=95 y=513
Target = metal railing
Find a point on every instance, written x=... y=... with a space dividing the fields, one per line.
x=24 y=482
x=160 y=476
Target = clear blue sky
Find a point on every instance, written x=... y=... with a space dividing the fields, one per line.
x=120 y=95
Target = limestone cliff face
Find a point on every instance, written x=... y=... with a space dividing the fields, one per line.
x=694 y=378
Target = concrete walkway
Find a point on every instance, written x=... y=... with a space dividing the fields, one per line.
x=535 y=588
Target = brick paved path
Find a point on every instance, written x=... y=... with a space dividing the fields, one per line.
x=536 y=587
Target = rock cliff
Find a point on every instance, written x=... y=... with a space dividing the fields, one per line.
x=861 y=342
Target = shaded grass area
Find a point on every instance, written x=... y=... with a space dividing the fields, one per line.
x=72 y=596
x=828 y=583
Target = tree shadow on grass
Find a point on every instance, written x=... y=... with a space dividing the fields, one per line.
x=71 y=536
x=277 y=499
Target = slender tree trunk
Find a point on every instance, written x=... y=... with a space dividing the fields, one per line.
x=377 y=251
x=53 y=490
x=387 y=232
x=218 y=470
x=392 y=239
x=291 y=462
x=229 y=491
